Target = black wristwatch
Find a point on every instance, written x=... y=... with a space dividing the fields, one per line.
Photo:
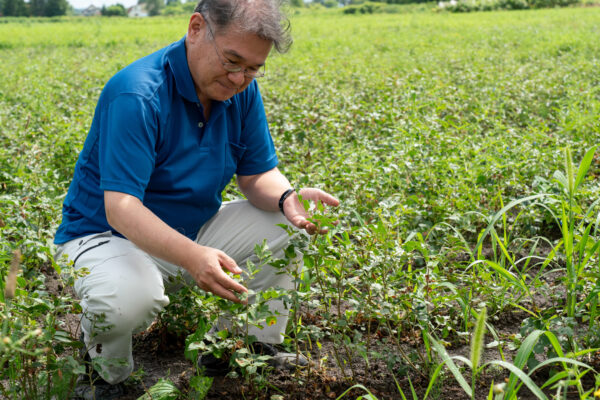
x=284 y=196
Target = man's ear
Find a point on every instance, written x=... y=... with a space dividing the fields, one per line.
x=196 y=26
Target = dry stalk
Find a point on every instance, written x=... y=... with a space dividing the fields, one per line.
x=11 y=278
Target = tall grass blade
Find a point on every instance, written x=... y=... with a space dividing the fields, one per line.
x=509 y=276
x=584 y=166
x=503 y=248
x=518 y=373
x=432 y=379
x=555 y=378
x=501 y=212
x=451 y=366
x=412 y=389
x=521 y=358
x=564 y=361
x=369 y=395
x=400 y=389
x=582 y=244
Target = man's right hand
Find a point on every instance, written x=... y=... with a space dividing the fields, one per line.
x=127 y=215
x=206 y=267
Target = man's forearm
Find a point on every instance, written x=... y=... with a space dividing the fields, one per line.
x=127 y=215
x=264 y=190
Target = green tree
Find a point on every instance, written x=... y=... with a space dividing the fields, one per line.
x=56 y=7
x=117 y=10
x=297 y=3
x=9 y=8
x=37 y=8
x=14 y=8
x=175 y=8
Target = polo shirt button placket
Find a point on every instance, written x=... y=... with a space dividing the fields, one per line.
x=200 y=124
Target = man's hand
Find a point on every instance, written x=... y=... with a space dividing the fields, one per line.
x=206 y=267
x=298 y=216
x=264 y=191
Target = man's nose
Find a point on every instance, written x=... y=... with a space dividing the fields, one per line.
x=237 y=78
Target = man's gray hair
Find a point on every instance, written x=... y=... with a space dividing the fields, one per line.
x=263 y=18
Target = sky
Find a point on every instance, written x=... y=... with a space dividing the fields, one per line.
x=100 y=3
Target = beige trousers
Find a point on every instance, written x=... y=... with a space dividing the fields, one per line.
x=125 y=288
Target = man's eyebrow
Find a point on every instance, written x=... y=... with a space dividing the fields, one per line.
x=235 y=54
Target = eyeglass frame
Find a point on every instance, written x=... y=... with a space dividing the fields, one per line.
x=231 y=66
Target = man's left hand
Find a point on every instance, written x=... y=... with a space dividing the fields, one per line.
x=296 y=213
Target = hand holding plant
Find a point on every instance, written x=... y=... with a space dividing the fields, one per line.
x=295 y=208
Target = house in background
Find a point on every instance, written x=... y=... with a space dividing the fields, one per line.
x=137 y=11
x=91 y=11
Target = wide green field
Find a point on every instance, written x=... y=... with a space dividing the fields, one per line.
x=426 y=126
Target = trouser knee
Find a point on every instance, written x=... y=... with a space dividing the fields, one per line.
x=121 y=296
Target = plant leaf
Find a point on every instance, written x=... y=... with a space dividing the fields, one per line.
x=584 y=166
x=535 y=389
x=164 y=389
x=502 y=211
x=521 y=358
x=451 y=366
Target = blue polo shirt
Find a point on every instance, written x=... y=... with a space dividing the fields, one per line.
x=149 y=139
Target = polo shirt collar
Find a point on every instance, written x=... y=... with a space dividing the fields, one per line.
x=177 y=58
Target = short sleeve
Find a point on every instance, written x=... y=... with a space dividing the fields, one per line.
x=260 y=155
x=127 y=143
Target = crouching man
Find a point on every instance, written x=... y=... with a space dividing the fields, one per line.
x=169 y=132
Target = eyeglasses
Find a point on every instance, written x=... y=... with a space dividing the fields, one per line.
x=231 y=66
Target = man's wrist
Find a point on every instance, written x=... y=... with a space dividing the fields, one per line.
x=284 y=196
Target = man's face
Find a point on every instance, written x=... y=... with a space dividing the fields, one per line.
x=206 y=55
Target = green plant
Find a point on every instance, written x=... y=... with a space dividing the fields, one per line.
x=578 y=240
x=233 y=342
x=35 y=347
x=517 y=376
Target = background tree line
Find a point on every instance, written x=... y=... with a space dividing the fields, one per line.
x=34 y=8
x=51 y=8
x=338 y=3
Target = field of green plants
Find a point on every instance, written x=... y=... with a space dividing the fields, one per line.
x=466 y=260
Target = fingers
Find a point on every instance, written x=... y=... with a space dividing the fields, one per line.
x=226 y=294
x=329 y=199
x=209 y=273
x=229 y=264
x=317 y=195
x=298 y=215
x=302 y=223
x=310 y=228
x=223 y=286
